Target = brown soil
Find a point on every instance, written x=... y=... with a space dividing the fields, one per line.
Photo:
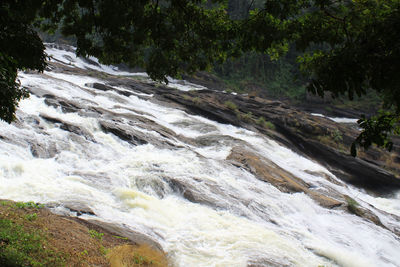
x=81 y=243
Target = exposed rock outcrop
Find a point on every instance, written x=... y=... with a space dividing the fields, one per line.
x=315 y=137
x=268 y=171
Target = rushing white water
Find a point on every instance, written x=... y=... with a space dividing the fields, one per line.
x=92 y=63
x=237 y=219
x=337 y=119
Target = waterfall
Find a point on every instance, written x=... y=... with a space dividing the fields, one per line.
x=176 y=186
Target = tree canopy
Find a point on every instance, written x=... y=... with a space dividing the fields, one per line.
x=348 y=46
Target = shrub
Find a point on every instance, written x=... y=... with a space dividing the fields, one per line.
x=337 y=136
x=230 y=105
x=246 y=117
x=266 y=124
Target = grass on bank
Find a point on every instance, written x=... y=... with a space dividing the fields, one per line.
x=21 y=244
x=31 y=235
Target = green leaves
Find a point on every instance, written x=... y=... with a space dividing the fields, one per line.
x=358 y=50
x=167 y=38
x=377 y=130
x=20 y=48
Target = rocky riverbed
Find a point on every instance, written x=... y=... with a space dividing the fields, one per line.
x=206 y=176
x=316 y=137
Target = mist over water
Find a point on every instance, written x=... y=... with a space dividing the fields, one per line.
x=232 y=218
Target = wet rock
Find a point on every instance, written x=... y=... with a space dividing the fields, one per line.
x=355 y=208
x=50 y=118
x=327 y=177
x=90 y=61
x=66 y=106
x=134 y=236
x=266 y=263
x=124 y=132
x=352 y=170
x=305 y=134
x=104 y=87
x=216 y=140
x=189 y=192
x=44 y=151
x=269 y=172
x=99 y=86
x=266 y=170
x=76 y=129
x=79 y=208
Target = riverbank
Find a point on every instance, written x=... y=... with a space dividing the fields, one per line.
x=31 y=235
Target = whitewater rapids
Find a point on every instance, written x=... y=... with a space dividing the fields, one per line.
x=242 y=220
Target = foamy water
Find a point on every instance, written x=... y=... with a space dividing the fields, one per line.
x=236 y=218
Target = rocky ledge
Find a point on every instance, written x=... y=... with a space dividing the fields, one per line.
x=317 y=138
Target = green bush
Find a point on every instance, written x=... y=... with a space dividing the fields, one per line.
x=230 y=105
x=246 y=117
x=337 y=136
x=266 y=124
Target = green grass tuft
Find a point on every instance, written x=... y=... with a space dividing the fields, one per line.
x=30 y=204
x=96 y=235
x=266 y=124
x=230 y=105
x=19 y=247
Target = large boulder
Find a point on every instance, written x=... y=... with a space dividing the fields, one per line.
x=268 y=171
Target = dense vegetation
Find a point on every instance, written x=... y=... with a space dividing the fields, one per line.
x=256 y=72
x=347 y=47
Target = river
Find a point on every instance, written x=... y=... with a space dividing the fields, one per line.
x=239 y=221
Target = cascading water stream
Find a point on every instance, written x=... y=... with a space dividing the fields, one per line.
x=235 y=220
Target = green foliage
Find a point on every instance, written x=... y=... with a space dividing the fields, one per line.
x=20 y=48
x=186 y=97
x=255 y=71
x=19 y=247
x=103 y=250
x=196 y=100
x=96 y=235
x=266 y=124
x=10 y=93
x=230 y=105
x=121 y=237
x=337 y=136
x=99 y=237
x=84 y=253
x=269 y=125
x=349 y=47
x=352 y=205
x=376 y=130
x=247 y=116
x=31 y=217
x=167 y=38
x=141 y=260
x=30 y=204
